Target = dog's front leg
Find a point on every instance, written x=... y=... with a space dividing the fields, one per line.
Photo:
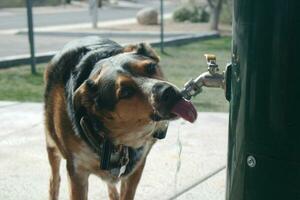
x=78 y=181
x=129 y=184
x=54 y=160
x=113 y=192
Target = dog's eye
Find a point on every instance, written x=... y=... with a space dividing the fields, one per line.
x=150 y=69
x=126 y=92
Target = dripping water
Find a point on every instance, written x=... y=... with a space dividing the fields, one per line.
x=179 y=150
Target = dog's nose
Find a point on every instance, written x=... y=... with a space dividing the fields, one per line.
x=165 y=94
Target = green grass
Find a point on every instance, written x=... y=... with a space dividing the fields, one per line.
x=18 y=84
x=180 y=64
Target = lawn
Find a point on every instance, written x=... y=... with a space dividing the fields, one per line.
x=180 y=63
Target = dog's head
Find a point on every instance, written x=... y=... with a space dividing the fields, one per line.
x=128 y=94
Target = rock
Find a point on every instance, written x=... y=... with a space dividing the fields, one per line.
x=147 y=16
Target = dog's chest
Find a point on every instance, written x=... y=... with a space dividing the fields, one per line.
x=136 y=138
x=88 y=160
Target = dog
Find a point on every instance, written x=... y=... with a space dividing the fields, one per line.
x=105 y=107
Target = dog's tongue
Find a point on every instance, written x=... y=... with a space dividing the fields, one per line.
x=186 y=110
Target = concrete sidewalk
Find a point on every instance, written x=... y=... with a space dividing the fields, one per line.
x=55 y=26
x=24 y=166
x=17 y=45
x=70 y=18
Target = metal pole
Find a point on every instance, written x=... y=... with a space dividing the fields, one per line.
x=264 y=129
x=162 y=26
x=30 y=35
x=93 y=7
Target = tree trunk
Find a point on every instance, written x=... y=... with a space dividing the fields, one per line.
x=215 y=14
x=214 y=19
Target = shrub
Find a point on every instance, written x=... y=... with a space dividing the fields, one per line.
x=191 y=13
x=182 y=14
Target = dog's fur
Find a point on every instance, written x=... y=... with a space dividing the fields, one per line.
x=89 y=75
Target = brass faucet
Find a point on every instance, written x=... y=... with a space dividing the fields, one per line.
x=211 y=78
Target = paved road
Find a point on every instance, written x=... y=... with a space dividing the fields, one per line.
x=18 y=44
x=13 y=21
x=24 y=167
x=50 y=16
x=68 y=17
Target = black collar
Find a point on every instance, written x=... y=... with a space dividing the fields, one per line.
x=119 y=160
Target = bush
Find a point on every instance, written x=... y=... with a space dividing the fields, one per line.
x=191 y=13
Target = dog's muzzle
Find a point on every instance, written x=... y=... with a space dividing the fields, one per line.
x=169 y=103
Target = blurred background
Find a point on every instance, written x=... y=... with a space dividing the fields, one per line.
x=189 y=163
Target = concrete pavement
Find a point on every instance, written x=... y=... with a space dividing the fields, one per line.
x=16 y=18
x=74 y=20
x=24 y=167
x=18 y=44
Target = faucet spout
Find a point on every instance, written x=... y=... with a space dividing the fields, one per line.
x=212 y=78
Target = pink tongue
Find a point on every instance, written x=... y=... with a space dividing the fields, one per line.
x=186 y=110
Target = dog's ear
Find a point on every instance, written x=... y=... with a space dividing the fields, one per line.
x=83 y=96
x=143 y=49
x=129 y=48
x=147 y=50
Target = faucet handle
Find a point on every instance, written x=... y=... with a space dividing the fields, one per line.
x=212 y=63
x=210 y=57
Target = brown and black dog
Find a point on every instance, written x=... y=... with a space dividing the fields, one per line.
x=105 y=106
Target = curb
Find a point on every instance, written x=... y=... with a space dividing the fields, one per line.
x=181 y=40
x=21 y=60
x=68 y=27
x=106 y=34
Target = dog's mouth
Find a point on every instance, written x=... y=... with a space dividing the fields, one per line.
x=156 y=116
x=185 y=109
x=182 y=108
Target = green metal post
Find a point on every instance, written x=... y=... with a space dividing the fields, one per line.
x=264 y=127
x=162 y=26
x=30 y=35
